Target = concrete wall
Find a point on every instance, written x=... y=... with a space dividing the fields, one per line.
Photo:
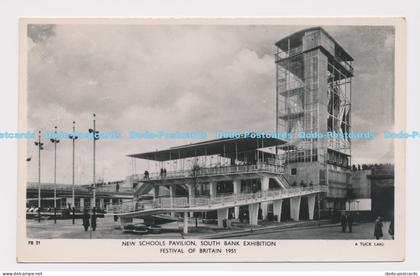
x=361 y=184
x=339 y=180
x=311 y=40
x=306 y=172
x=327 y=43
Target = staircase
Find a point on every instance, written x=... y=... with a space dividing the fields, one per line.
x=282 y=181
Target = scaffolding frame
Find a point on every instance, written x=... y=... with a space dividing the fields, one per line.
x=313 y=94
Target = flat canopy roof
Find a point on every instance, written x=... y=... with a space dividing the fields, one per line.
x=224 y=146
x=298 y=35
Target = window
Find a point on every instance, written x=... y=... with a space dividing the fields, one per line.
x=293 y=171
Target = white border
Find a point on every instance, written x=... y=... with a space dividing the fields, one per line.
x=12 y=10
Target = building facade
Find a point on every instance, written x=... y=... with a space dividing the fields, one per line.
x=222 y=179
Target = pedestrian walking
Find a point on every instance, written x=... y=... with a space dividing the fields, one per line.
x=86 y=218
x=93 y=219
x=378 y=228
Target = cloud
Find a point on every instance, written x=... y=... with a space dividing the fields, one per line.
x=378 y=150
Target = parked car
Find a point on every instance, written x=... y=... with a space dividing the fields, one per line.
x=140 y=229
x=128 y=228
x=155 y=229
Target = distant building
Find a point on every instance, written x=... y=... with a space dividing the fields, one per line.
x=106 y=194
x=373 y=190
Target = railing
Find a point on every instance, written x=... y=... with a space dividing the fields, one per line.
x=239 y=169
x=284 y=181
x=201 y=172
x=290 y=53
x=345 y=64
x=209 y=202
x=51 y=186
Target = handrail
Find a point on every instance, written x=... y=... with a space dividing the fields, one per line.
x=207 y=201
x=200 y=172
x=289 y=53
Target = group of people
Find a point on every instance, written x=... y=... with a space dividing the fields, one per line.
x=347 y=222
x=89 y=220
x=163 y=172
x=378 y=228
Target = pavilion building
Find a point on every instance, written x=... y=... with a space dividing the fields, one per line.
x=218 y=176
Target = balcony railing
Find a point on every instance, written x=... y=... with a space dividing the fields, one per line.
x=290 y=53
x=209 y=202
x=347 y=65
x=223 y=170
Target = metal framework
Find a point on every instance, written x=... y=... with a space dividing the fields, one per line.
x=314 y=75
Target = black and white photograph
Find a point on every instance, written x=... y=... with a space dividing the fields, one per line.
x=163 y=133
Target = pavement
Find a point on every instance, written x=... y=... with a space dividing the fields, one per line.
x=362 y=231
x=108 y=229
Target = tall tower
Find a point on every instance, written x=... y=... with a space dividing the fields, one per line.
x=314 y=76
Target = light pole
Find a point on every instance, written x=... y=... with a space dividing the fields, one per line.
x=358 y=214
x=95 y=136
x=55 y=141
x=73 y=137
x=40 y=145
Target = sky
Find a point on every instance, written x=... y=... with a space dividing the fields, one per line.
x=180 y=78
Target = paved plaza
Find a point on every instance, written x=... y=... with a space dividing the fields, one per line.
x=363 y=231
x=107 y=228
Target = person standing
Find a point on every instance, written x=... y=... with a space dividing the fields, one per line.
x=378 y=229
x=86 y=218
x=73 y=214
x=93 y=219
x=350 y=222
x=343 y=222
x=391 y=227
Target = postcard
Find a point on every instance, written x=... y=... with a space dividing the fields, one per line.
x=211 y=139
